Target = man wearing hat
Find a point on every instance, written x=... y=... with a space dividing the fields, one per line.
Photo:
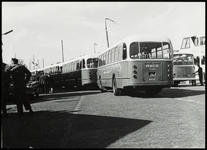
x=20 y=76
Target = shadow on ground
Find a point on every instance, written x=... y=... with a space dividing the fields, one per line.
x=49 y=129
x=56 y=96
x=167 y=93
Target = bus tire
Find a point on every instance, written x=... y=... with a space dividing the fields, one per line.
x=115 y=89
x=176 y=83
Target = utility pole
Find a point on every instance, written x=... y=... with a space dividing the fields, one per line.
x=94 y=47
x=62 y=52
x=42 y=62
x=38 y=63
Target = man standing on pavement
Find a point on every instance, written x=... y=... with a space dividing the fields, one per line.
x=42 y=82
x=200 y=74
x=20 y=75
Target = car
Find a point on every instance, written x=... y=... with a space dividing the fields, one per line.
x=33 y=89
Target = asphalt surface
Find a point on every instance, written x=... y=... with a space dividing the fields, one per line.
x=175 y=118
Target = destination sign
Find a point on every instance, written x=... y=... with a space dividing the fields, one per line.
x=154 y=65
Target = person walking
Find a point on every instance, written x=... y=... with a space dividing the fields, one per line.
x=42 y=82
x=49 y=83
x=20 y=75
x=5 y=88
x=200 y=74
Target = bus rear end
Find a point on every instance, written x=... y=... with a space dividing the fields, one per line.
x=89 y=73
x=151 y=67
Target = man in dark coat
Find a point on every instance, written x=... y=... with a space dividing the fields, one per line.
x=200 y=74
x=20 y=75
x=42 y=82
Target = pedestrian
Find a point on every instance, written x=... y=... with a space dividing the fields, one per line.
x=20 y=75
x=42 y=82
x=5 y=88
x=49 y=83
x=200 y=74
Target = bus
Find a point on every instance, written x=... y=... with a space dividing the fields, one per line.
x=80 y=72
x=183 y=68
x=196 y=46
x=138 y=62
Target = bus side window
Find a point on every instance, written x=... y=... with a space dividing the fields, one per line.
x=124 y=54
x=196 y=60
x=112 y=55
x=83 y=63
x=116 y=54
x=120 y=51
x=77 y=66
x=61 y=69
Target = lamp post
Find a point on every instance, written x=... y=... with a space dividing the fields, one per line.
x=7 y=32
x=2 y=42
x=107 y=31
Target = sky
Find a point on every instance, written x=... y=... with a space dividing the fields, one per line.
x=43 y=30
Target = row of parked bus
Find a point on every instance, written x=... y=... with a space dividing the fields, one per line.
x=138 y=62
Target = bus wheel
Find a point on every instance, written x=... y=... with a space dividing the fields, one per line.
x=176 y=83
x=115 y=89
x=101 y=86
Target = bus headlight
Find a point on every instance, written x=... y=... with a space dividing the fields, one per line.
x=168 y=75
x=168 y=70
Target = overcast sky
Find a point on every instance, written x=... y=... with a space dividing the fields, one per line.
x=39 y=27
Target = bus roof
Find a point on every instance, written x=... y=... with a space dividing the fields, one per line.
x=182 y=53
x=141 y=38
x=81 y=57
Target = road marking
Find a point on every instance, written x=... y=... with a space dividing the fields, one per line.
x=65 y=138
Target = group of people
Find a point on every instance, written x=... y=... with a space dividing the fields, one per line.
x=46 y=83
x=19 y=75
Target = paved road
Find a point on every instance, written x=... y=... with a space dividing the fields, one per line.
x=175 y=118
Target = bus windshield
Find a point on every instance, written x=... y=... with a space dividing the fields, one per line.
x=150 y=50
x=183 y=59
x=92 y=63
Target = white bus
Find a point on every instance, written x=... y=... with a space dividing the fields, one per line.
x=138 y=62
x=80 y=72
x=196 y=46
